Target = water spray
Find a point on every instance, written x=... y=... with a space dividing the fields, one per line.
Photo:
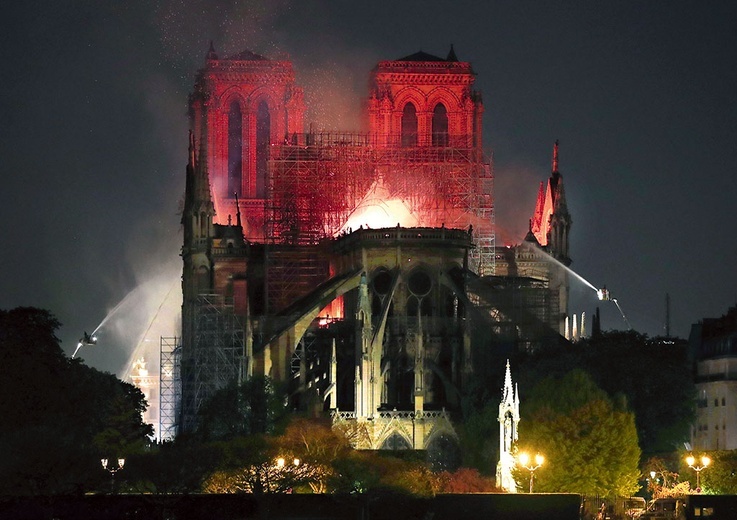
x=602 y=294
x=629 y=326
x=85 y=340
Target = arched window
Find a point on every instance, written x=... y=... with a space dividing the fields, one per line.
x=235 y=149
x=409 y=125
x=263 y=140
x=440 y=126
x=203 y=280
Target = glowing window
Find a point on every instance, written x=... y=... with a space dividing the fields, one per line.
x=440 y=126
x=409 y=125
x=263 y=140
x=235 y=149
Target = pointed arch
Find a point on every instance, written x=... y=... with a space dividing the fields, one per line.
x=263 y=142
x=447 y=97
x=440 y=125
x=409 y=125
x=235 y=149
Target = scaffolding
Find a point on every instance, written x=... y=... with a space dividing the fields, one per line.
x=523 y=310
x=315 y=187
x=217 y=357
x=170 y=396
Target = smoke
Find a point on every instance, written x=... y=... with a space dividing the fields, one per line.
x=515 y=194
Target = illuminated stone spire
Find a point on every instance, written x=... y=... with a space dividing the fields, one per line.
x=419 y=368
x=508 y=423
x=364 y=405
x=582 y=334
x=559 y=217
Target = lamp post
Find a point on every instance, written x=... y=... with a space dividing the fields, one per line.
x=691 y=461
x=525 y=462
x=286 y=475
x=113 y=470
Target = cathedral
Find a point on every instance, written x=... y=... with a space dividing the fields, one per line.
x=358 y=268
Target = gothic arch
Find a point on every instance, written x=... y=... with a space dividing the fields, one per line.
x=409 y=125
x=445 y=96
x=439 y=126
x=233 y=93
x=410 y=94
x=394 y=433
x=263 y=94
x=235 y=148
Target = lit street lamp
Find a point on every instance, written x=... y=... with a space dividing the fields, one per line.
x=705 y=461
x=113 y=470
x=525 y=462
x=286 y=476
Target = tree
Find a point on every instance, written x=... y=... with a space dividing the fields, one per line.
x=362 y=472
x=178 y=466
x=59 y=416
x=252 y=407
x=479 y=436
x=316 y=445
x=249 y=465
x=654 y=375
x=465 y=480
x=589 y=442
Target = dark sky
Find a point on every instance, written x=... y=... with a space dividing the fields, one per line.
x=641 y=95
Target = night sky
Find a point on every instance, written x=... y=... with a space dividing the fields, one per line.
x=641 y=95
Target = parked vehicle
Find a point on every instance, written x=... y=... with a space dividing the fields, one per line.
x=622 y=508
x=692 y=507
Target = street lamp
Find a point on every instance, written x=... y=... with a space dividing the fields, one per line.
x=113 y=470
x=280 y=462
x=525 y=462
x=705 y=461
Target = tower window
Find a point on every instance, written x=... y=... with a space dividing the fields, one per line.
x=409 y=125
x=235 y=149
x=263 y=140
x=440 y=126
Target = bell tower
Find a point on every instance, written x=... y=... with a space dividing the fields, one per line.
x=242 y=105
x=424 y=100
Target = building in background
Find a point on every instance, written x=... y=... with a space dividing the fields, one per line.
x=149 y=385
x=713 y=342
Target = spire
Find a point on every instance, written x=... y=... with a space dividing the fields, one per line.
x=197 y=197
x=582 y=334
x=451 y=54
x=555 y=157
x=508 y=392
x=192 y=156
x=211 y=54
x=237 y=211
x=202 y=190
x=530 y=237
x=537 y=216
x=560 y=206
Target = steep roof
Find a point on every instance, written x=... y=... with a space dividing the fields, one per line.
x=421 y=56
x=246 y=55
